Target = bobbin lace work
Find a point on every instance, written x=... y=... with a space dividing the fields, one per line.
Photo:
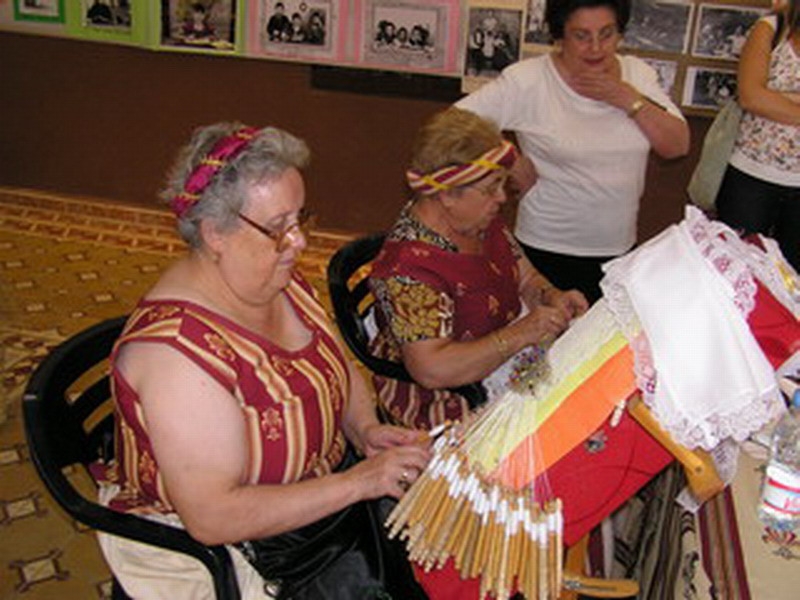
x=532 y=372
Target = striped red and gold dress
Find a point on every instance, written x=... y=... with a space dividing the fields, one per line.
x=292 y=401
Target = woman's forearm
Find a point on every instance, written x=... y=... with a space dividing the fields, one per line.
x=668 y=135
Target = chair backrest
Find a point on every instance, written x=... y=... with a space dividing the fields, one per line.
x=69 y=421
x=354 y=305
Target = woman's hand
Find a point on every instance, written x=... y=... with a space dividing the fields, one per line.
x=605 y=86
x=390 y=472
x=377 y=438
x=571 y=303
x=543 y=323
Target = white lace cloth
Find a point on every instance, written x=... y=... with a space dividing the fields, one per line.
x=707 y=380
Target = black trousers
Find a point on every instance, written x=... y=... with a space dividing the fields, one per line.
x=752 y=205
x=568 y=272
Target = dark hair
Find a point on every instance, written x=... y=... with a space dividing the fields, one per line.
x=792 y=21
x=558 y=12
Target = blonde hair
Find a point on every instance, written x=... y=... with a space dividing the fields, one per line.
x=453 y=136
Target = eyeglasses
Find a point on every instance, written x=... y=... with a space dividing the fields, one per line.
x=584 y=37
x=492 y=189
x=305 y=220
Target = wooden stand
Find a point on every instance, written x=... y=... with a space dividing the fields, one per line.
x=704 y=483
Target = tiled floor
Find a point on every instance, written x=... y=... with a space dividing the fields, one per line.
x=65 y=264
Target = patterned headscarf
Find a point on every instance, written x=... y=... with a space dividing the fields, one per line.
x=453 y=176
x=223 y=152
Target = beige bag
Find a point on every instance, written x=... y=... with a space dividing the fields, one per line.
x=717 y=148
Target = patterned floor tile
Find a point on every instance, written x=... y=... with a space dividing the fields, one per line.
x=66 y=264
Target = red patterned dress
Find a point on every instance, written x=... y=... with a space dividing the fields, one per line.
x=427 y=289
x=292 y=401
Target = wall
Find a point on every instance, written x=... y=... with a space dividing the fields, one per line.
x=105 y=121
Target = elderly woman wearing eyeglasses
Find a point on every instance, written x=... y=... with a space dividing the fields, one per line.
x=586 y=119
x=236 y=404
x=456 y=295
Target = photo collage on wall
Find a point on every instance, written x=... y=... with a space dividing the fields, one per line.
x=693 y=45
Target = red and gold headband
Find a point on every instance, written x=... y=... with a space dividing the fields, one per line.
x=453 y=176
x=223 y=152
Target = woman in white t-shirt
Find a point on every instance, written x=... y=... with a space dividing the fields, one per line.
x=760 y=192
x=586 y=119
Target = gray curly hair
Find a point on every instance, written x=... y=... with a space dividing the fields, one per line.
x=271 y=152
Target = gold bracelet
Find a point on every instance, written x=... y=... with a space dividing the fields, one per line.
x=637 y=105
x=501 y=344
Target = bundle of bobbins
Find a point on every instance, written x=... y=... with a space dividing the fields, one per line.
x=505 y=536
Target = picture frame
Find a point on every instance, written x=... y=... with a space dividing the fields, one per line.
x=319 y=33
x=205 y=26
x=659 y=25
x=537 y=32
x=43 y=11
x=493 y=40
x=430 y=41
x=116 y=21
x=721 y=30
x=708 y=88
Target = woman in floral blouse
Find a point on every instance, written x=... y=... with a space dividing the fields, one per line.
x=457 y=296
x=761 y=189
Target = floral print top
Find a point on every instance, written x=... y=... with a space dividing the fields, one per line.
x=425 y=289
x=765 y=148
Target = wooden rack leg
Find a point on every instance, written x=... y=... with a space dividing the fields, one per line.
x=701 y=474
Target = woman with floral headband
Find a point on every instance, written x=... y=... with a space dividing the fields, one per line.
x=451 y=281
x=236 y=405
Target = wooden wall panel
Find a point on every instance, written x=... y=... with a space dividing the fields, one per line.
x=105 y=121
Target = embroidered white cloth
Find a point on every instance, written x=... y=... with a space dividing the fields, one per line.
x=711 y=380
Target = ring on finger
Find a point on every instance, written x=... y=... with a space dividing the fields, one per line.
x=403 y=482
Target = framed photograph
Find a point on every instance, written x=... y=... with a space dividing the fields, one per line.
x=418 y=36
x=708 y=88
x=301 y=29
x=721 y=30
x=667 y=74
x=120 y=21
x=49 y=11
x=661 y=25
x=494 y=37
x=106 y=14
x=536 y=30
x=199 y=25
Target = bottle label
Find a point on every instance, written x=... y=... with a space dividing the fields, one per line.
x=782 y=493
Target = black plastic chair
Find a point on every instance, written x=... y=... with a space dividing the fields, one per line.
x=69 y=420
x=353 y=305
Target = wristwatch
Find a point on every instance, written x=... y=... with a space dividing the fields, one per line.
x=637 y=105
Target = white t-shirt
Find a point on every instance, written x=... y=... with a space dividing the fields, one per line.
x=591 y=158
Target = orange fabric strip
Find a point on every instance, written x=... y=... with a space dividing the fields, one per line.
x=577 y=418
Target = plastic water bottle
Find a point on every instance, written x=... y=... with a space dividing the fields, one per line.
x=779 y=508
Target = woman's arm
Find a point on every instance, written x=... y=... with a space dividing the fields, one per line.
x=199 y=438
x=443 y=362
x=361 y=425
x=753 y=74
